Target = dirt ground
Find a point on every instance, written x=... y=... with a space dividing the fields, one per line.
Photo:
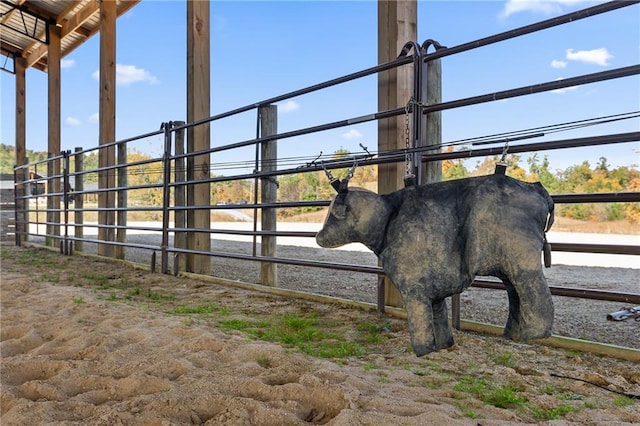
x=89 y=342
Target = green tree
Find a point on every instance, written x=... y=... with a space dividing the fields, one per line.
x=540 y=172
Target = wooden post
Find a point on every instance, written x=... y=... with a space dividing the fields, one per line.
x=21 y=142
x=121 y=233
x=198 y=137
x=54 y=167
x=179 y=217
x=107 y=134
x=397 y=24
x=269 y=191
x=432 y=122
x=78 y=216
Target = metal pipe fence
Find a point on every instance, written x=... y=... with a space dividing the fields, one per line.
x=165 y=194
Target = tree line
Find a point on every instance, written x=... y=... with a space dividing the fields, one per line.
x=314 y=186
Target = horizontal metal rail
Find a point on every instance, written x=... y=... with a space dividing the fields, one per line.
x=597 y=197
x=581 y=293
x=596 y=248
x=283 y=260
x=528 y=29
x=531 y=147
x=369 y=71
x=536 y=88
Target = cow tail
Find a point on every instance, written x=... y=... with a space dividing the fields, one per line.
x=546 y=247
x=551 y=215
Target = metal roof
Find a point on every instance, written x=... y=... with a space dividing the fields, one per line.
x=24 y=26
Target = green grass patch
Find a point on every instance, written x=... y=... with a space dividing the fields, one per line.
x=505 y=359
x=264 y=361
x=202 y=309
x=304 y=332
x=622 y=401
x=503 y=396
x=473 y=385
x=554 y=413
x=49 y=277
x=100 y=280
x=236 y=324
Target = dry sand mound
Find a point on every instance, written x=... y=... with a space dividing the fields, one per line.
x=79 y=354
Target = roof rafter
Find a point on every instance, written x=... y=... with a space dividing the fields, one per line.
x=38 y=50
x=78 y=20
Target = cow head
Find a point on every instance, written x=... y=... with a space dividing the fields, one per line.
x=356 y=215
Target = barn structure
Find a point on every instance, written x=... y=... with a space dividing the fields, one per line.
x=39 y=34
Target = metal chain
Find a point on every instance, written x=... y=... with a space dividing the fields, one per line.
x=504 y=151
x=407 y=156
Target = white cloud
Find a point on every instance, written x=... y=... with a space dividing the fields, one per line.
x=67 y=63
x=352 y=134
x=558 y=64
x=288 y=106
x=545 y=7
x=596 y=56
x=564 y=89
x=72 y=121
x=94 y=118
x=130 y=74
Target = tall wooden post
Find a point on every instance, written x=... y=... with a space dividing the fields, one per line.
x=397 y=24
x=269 y=191
x=21 y=142
x=432 y=85
x=198 y=137
x=54 y=130
x=179 y=197
x=121 y=216
x=107 y=110
x=78 y=216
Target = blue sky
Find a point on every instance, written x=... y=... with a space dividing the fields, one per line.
x=263 y=49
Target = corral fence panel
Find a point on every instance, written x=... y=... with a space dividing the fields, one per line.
x=152 y=192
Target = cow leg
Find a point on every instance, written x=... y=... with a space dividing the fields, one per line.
x=512 y=329
x=443 y=334
x=421 y=329
x=530 y=307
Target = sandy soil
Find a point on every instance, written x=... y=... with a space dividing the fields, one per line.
x=88 y=342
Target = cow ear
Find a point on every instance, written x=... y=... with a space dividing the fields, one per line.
x=339 y=207
x=343 y=186
x=339 y=211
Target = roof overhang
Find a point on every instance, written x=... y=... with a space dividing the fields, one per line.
x=25 y=24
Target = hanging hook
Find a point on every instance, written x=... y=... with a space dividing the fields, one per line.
x=501 y=165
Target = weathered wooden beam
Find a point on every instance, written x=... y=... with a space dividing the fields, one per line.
x=39 y=50
x=198 y=137
x=35 y=55
x=21 y=146
x=54 y=132
x=397 y=24
x=74 y=24
x=269 y=193
x=78 y=19
x=107 y=125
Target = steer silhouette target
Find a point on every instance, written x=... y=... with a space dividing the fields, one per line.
x=433 y=240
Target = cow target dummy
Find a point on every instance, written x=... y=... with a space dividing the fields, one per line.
x=432 y=241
